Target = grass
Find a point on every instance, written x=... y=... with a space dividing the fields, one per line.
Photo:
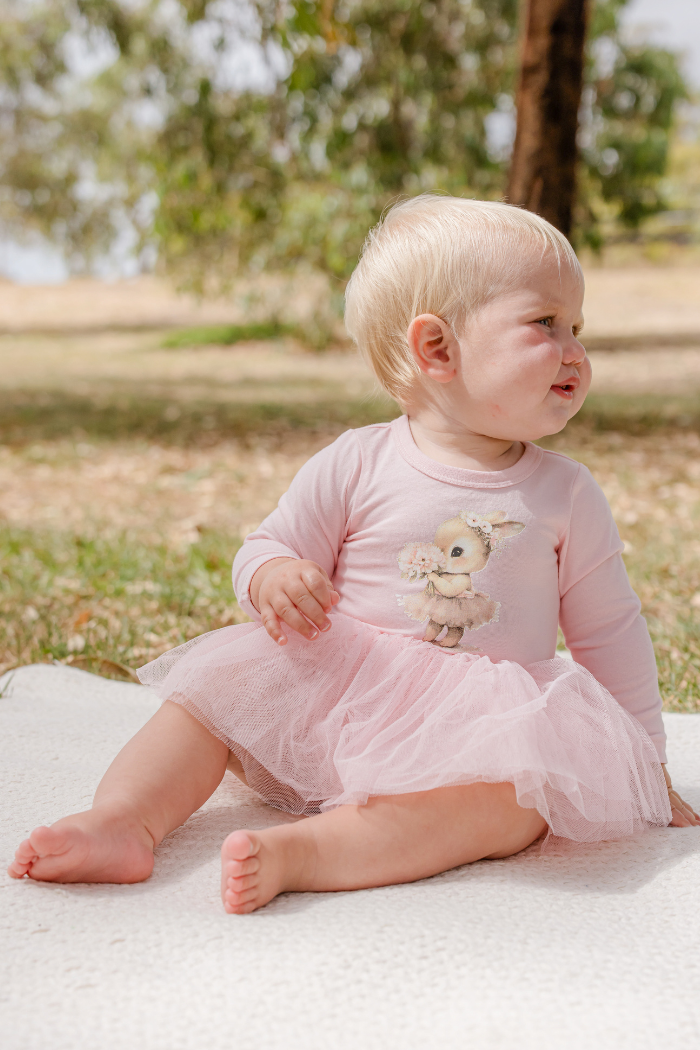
x=129 y=474
x=652 y=481
x=226 y=335
x=109 y=604
x=32 y=416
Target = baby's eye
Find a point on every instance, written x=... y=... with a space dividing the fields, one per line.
x=456 y=552
x=546 y=321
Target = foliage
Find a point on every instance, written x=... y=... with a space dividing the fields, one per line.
x=346 y=104
x=629 y=105
x=381 y=98
x=70 y=163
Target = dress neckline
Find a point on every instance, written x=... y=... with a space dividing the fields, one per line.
x=473 y=479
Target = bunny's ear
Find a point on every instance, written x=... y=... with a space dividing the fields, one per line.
x=504 y=530
x=495 y=516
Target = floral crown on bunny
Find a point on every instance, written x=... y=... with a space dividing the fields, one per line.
x=482 y=525
x=493 y=528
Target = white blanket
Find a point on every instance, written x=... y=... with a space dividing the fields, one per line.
x=595 y=949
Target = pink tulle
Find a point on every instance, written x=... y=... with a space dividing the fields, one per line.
x=360 y=712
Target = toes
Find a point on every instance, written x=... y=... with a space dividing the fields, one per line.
x=239 y=909
x=236 y=902
x=25 y=853
x=238 y=885
x=17 y=870
x=25 y=856
x=240 y=845
x=237 y=868
x=45 y=841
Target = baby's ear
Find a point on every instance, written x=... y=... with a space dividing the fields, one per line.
x=506 y=529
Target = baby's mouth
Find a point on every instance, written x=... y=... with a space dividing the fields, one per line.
x=566 y=388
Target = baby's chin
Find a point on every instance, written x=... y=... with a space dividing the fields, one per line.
x=552 y=424
x=555 y=427
x=554 y=420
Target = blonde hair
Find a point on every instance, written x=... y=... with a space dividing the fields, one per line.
x=440 y=255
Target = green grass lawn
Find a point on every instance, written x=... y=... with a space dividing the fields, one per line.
x=117 y=599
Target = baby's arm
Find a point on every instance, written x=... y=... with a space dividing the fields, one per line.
x=602 y=622
x=294 y=592
x=286 y=566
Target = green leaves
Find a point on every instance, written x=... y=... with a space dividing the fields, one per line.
x=272 y=135
x=630 y=99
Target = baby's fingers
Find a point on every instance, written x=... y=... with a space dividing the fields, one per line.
x=272 y=625
x=678 y=819
x=319 y=587
x=682 y=815
x=307 y=604
x=284 y=606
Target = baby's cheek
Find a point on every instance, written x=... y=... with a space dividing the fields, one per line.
x=585 y=373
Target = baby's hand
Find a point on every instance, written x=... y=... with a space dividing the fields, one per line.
x=296 y=592
x=682 y=815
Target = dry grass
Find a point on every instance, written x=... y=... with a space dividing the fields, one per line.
x=129 y=474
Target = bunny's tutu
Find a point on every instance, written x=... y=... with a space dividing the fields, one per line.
x=472 y=612
x=359 y=712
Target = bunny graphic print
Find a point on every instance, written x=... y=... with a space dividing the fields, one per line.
x=462 y=546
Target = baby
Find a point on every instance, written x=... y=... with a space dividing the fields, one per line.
x=405 y=750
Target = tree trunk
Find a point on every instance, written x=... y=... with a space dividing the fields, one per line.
x=543 y=169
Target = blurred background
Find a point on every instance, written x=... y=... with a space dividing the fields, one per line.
x=184 y=190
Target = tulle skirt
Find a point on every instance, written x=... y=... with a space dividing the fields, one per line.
x=359 y=712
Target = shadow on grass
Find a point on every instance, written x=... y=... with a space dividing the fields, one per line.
x=29 y=416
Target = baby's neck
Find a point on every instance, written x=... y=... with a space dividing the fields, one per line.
x=438 y=438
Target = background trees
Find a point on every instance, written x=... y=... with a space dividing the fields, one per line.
x=238 y=136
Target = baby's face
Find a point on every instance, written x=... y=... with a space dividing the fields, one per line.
x=523 y=373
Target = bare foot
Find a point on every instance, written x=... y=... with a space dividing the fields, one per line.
x=257 y=865
x=95 y=846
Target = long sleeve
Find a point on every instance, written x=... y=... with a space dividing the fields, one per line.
x=310 y=520
x=600 y=613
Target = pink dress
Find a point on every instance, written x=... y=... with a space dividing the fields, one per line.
x=440 y=666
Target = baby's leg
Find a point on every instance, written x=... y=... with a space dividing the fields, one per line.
x=165 y=773
x=393 y=839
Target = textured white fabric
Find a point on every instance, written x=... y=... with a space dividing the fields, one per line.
x=597 y=949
